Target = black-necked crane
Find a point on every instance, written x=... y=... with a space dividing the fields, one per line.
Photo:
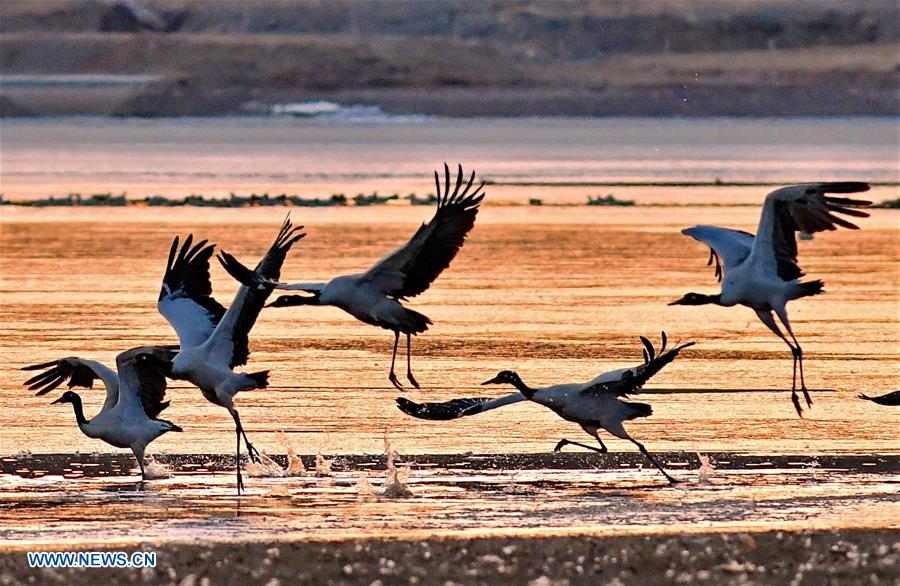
x=129 y=417
x=374 y=297
x=761 y=271
x=594 y=405
x=214 y=341
x=890 y=399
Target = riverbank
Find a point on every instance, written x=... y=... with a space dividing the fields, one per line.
x=692 y=58
x=813 y=557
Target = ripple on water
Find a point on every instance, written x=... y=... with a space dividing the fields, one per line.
x=449 y=499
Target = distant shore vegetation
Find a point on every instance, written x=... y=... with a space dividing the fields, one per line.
x=335 y=200
x=232 y=201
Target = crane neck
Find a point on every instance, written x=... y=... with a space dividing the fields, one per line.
x=79 y=411
x=522 y=387
x=714 y=299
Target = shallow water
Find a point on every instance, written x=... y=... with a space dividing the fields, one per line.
x=559 y=294
x=534 y=495
x=319 y=157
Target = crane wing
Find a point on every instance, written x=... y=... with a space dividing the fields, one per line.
x=409 y=270
x=143 y=373
x=727 y=247
x=633 y=380
x=889 y=399
x=455 y=408
x=230 y=343
x=185 y=299
x=805 y=207
x=78 y=373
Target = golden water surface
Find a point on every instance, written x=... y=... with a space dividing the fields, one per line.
x=557 y=293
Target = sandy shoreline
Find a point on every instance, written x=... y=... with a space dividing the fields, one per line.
x=869 y=556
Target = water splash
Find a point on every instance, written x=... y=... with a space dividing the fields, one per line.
x=706 y=469
x=266 y=467
x=295 y=465
x=154 y=470
x=323 y=466
x=269 y=468
x=280 y=490
x=814 y=466
x=395 y=483
x=364 y=489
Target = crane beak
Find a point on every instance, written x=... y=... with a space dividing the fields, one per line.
x=679 y=302
x=294 y=300
x=493 y=381
x=60 y=400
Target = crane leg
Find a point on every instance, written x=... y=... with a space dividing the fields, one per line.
x=237 y=461
x=139 y=456
x=653 y=460
x=564 y=442
x=251 y=450
x=238 y=430
x=603 y=449
x=798 y=355
x=767 y=318
x=409 y=374
x=393 y=377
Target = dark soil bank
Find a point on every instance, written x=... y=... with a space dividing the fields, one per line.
x=454 y=57
x=810 y=558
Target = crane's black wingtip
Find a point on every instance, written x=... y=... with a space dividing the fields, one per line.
x=426 y=411
x=846 y=187
x=237 y=270
x=40 y=366
x=42 y=377
x=407 y=406
x=890 y=399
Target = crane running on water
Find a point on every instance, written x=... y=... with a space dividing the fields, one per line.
x=594 y=405
x=374 y=297
x=129 y=417
x=214 y=341
x=761 y=272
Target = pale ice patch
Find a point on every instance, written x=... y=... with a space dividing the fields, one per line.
x=334 y=112
x=304 y=109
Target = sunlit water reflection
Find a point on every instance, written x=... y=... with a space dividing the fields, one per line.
x=527 y=494
x=557 y=293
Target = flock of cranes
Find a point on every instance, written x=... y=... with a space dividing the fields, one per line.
x=760 y=272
